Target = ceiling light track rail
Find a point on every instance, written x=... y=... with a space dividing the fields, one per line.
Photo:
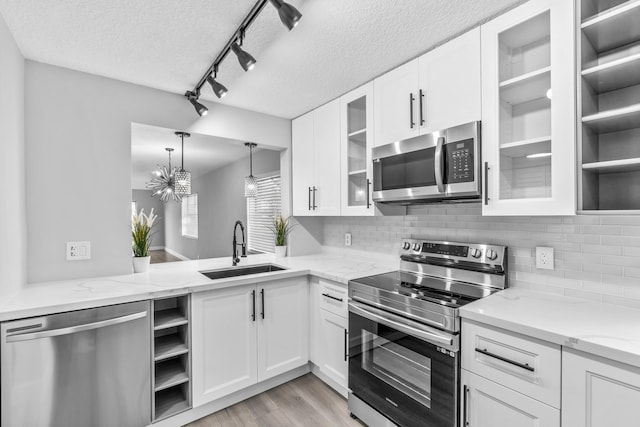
x=289 y=16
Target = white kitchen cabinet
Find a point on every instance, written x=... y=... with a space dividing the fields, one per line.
x=283 y=327
x=598 y=392
x=329 y=332
x=528 y=110
x=315 y=145
x=246 y=334
x=225 y=356
x=356 y=141
x=485 y=403
x=437 y=90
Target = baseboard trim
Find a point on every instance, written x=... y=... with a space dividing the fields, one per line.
x=211 y=407
x=176 y=254
x=156 y=248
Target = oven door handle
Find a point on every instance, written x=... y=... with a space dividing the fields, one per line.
x=407 y=326
x=439 y=164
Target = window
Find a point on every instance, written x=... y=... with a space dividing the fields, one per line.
x=260 y=213
x=190 y=216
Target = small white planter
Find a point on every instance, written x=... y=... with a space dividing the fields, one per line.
x=141 y=264
x=281 y=251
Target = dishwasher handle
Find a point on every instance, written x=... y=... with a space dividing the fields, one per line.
x=76 y=328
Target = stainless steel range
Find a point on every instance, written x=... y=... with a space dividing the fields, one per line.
x=404 y=331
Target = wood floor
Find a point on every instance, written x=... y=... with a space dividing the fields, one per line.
x=162 y=256
x=305 y=401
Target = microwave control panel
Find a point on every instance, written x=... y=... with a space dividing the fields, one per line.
x=460 y=161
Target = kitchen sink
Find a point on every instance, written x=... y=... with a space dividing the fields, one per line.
x=241 y=271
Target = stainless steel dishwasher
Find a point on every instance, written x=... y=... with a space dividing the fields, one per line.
x=78 y=369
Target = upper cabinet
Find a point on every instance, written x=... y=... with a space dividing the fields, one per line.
x=528 y=110
x=356 y=141
x=316 y=162
x=436 y=91
x=609 y=103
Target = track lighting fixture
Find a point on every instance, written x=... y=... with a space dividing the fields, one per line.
x=289 y=15
x=218 y=88
x=193 y=99
x=247 y=62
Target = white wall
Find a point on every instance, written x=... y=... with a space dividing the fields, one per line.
x=12 y=166
x=78 y=161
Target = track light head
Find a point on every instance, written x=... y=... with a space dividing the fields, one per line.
x=193 y=99
x=218 y=88
x=289 y=15
x=247 y=62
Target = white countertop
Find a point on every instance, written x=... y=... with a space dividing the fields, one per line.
x=605 y=330
x=182 y=277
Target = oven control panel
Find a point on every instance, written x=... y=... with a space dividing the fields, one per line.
x=472 y=252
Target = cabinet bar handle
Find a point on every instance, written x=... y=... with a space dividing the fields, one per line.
x=314 y=198
x=368 y=195
x=262 y=297
x=253 y=298
x=504 y=359
x=465 y=393
x=422 y=120
x=346 y=339
x=411 y=99
x=486 y=183
x=332 y=297
x=309 y=198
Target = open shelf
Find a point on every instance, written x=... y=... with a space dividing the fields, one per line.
x=168 y=346
x=527 y=87
x=614 y=27
x=170 y=402
x=613 y=166
x=169 y=318
x=526 y=147
x=173 y=372
x=358 y=172
x=614 y=120
x=614 y=75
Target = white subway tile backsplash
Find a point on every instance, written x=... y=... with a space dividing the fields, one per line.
x=597 y=256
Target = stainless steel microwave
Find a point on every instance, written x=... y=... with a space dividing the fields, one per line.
x=439 y=166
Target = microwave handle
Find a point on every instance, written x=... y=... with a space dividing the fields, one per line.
x=439 y=164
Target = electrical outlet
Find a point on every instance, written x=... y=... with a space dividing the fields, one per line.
x=77 y=251
x=347 y=239
x=544 y=258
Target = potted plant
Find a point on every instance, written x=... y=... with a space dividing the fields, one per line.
x=141 y=239
x=281 y=227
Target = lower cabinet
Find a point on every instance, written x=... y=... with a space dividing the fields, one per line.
x=329 y=332
x=488 y=404
x=598 y=392
x=246 y=334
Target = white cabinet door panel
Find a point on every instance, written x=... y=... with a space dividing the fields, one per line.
x=326 y=159
x=224 y=343
x=302 y=163
x=332 y=340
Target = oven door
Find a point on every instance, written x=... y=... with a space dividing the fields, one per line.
x=412 y=381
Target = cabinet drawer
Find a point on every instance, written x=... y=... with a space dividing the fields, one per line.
x=524 y=364
x=333 y=297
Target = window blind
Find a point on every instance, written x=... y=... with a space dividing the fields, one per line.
x=260 y=213
x=190 y=216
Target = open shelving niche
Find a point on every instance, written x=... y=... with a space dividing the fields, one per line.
x=171 y=357
x=609 y=70
x=357 y=151
x=525 y=109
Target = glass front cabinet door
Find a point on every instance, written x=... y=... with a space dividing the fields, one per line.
x=356 y=138
x=528 y=111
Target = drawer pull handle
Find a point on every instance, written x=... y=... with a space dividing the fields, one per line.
x=332 y=297
x=504 y=359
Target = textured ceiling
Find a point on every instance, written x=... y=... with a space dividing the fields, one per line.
x=168 y=44
x=202 y=153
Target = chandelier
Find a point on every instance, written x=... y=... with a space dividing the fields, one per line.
x=163 y=183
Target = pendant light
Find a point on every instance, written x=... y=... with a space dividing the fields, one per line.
x=183 y=178
x=163 y=183
x=250 y=183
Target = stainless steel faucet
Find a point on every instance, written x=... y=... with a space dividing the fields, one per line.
x=234 y=255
